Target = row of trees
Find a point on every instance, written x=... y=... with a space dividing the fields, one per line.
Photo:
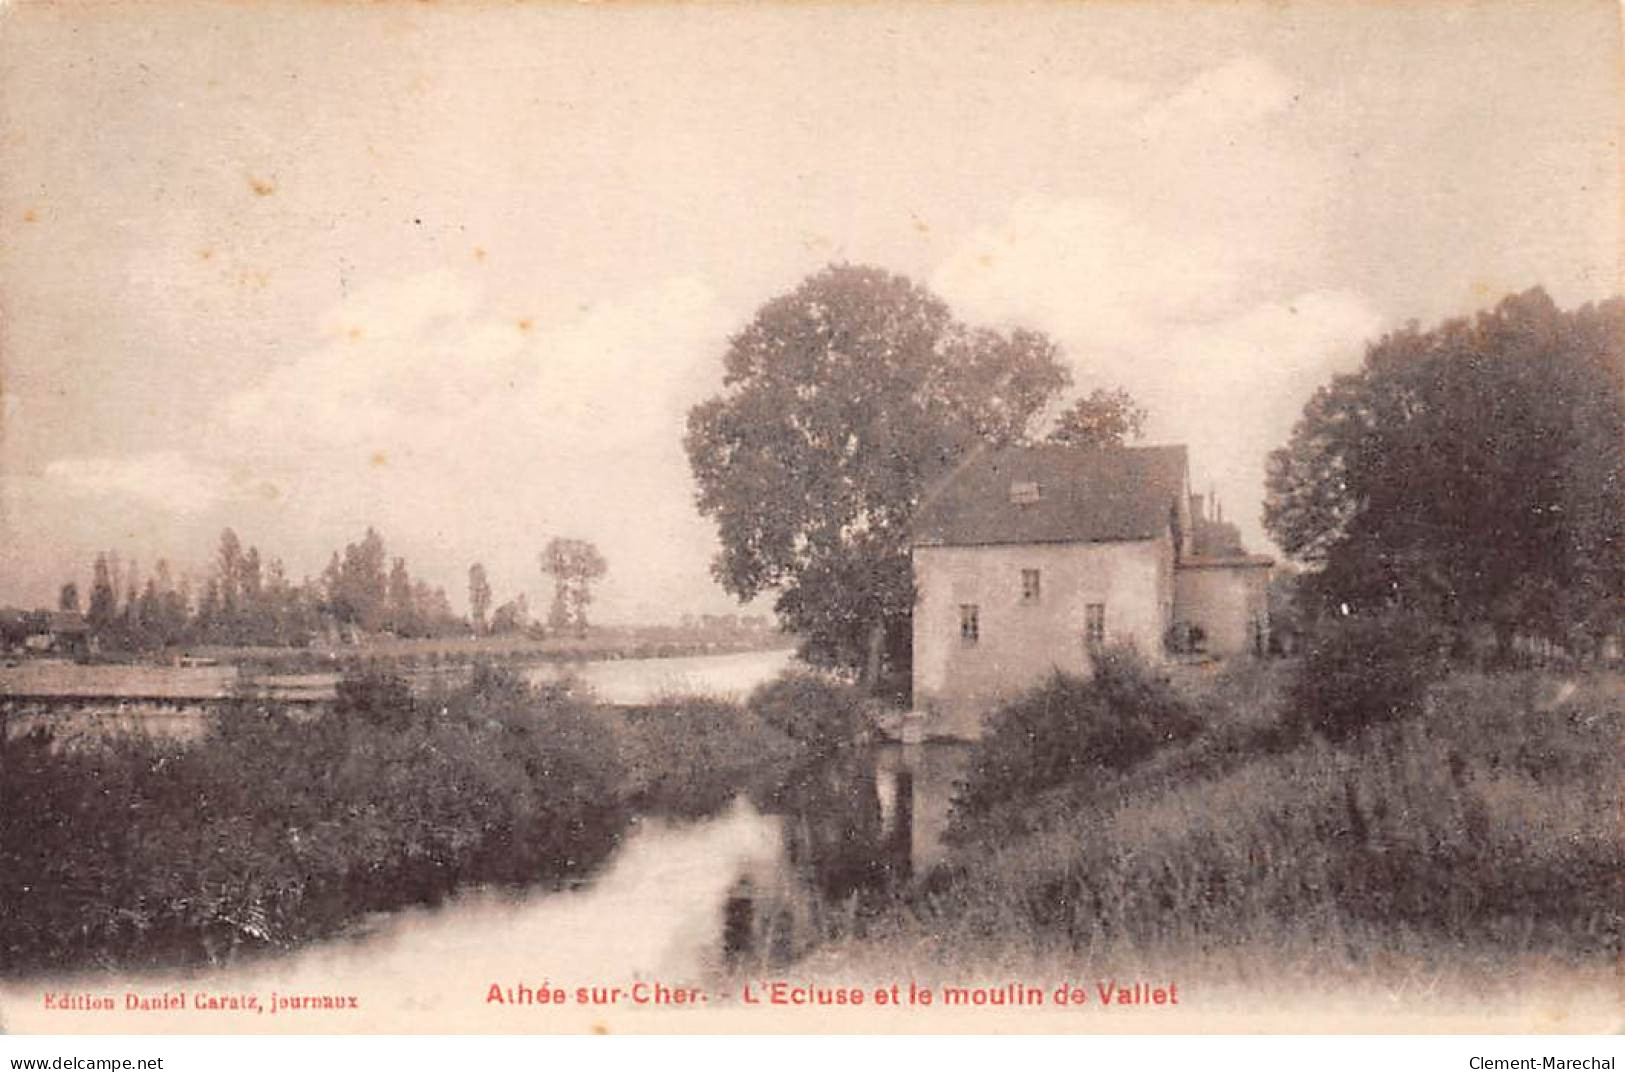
x=1472 y=474
x=247 y=600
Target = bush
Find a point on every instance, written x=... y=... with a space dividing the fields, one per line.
x=377 y=697
x=1070 y=729
x=688 y=757
x=279 y=827
x=1361 y=671
x=1484 y=834
x=811 y=710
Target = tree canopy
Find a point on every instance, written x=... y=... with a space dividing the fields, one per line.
x=1474 y=472
x=1104 y=418
x=842 y=400
x=575 y=565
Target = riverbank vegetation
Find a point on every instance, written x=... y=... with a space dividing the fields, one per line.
x=1430 y=822
x=277 y=827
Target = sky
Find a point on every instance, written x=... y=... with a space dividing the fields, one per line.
x=459 y=270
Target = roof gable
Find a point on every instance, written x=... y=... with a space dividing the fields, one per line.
x=1083 y=495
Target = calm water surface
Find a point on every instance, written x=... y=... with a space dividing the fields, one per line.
x=748 y=888
x=691 y=903
x=636 y=681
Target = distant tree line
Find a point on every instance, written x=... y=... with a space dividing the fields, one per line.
x=249 y=600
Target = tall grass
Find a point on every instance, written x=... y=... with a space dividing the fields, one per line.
x=1488 y=826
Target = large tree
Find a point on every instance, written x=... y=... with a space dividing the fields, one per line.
x=842 y=401
x=1474 y=472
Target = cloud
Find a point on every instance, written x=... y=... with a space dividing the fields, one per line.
x=1089 y=269
x=1235 y=94
x=1172 y=317
x=1182 y=292
x=167 y=479
x=466 y=430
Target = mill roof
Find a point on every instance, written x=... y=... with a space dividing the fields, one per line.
x=1054 y=494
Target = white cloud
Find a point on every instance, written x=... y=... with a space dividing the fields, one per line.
x=1087 y=269
x=1235 y=94
x=1182 y=291
x=168 y=479
x=468 y=431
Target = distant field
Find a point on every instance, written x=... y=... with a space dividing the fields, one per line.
x=610 y=643
x=55 y=677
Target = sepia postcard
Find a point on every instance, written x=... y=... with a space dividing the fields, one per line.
x=1085 y=516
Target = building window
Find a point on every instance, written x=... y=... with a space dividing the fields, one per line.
x=1094 y=625
x=970 y=627
x=1029 y=586
x=1024 y=491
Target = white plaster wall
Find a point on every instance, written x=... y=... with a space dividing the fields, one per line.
x=1223 y=601
x=1021 y=643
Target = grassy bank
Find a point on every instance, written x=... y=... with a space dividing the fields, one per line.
x=1481 y=831
x=278 y=828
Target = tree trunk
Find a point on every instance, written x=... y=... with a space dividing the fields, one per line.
x=871 y=666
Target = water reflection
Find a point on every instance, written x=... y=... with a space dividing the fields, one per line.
x=757 y=884
x=639 y=681
x=855 y=829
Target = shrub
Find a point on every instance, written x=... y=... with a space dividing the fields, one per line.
x=689 y=756
x=811 y=710
x=1071 y=729
x=378 y=697
x=1363 y=670
x=278 y=827
x=1486 y=833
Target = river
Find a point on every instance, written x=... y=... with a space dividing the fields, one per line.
x=635 y=681
x=686 y=905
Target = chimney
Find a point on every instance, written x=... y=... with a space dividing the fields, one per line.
x=1196 y=508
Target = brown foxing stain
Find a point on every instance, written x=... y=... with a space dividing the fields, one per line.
x=600 y=1029
x=261 y=187
x=985 y=260
x=270 y=492
x=205 y=254
x=30 y=216
x=354 y=334
x=479 y=253
x=524 y=324
x=379 y=458
x=920 y=225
